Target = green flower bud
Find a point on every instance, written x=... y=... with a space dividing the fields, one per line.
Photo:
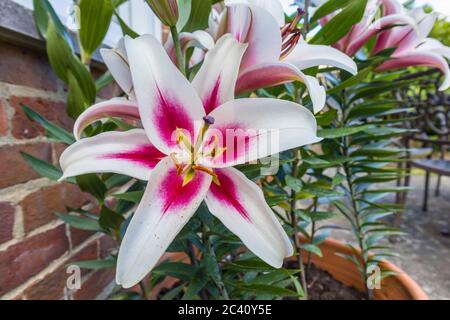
x=165 y=10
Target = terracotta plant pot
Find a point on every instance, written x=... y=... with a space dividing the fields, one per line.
x=396 y=287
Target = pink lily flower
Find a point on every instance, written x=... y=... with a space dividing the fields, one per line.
x=187 y=149
x=276 y=56
x=368 y=27
x=414 y=48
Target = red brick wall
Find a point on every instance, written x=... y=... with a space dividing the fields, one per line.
x=35 y=247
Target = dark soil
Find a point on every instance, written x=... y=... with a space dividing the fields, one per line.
x=322 y=286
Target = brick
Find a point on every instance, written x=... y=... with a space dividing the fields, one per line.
x=14 y=168
x=78 y=236
x=53 y=285
x=27 y=68
x=94 y=285
x=40 y=206
x=27 y=258
x=107 y=244
x=24 y=128
x=3 y=120
x=59 y=149
x=6 y=221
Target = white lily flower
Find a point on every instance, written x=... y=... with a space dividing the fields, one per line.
x=187 y=163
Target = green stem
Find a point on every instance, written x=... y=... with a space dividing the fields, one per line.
x=313 y=234
x=294 y=225
x=179 y=53
x=358 y=231
x=211 y=251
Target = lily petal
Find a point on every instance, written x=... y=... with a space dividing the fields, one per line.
x=164 y=210
x=216 y=79
x=129 y=153
x=240 y=205
x=199 y=39
x=166 y=99
x=117 y=62
x=117 y=107
x=274 y=7
x=420 y=58
x=257 y=27
x=391 y=7
x=242 y=127
x=273 y=74
x=306 y=56
x=358 y=42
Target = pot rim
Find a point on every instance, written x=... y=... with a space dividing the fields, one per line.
x=414 y=289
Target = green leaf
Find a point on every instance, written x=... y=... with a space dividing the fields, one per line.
x=356 y=79
x=340 y=132
x=197 y=283
x=76 y=102
x=55 y=132
x=110 y=219
x=92 y=184
x=341 y=24
x=96 y=264
x=198 y=19
x=80 y=222
x=132 y=196
x=182 y=271
x=376 y=152
x=327 y=8
x=249 y=265
x=62 y=60
x=264 y=289
x=105 y=80
x=184 y=10
x=322 y=215
x=126 y=30
x=95 y=18
x=173 y=293
x=42 y=12
x=43 y=168
x=116 y=180
x=294 y=183
x=313 y=249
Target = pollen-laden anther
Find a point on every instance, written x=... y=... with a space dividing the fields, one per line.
x=291 y=35
x=187 y=169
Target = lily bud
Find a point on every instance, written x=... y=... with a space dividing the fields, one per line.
x=165 y=10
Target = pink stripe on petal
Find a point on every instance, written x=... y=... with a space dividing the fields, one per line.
x=146 y=156
x=236 y=138
x=170 y=115
x=213 y=100
x=174 y=195
x=228 y=194
x=119 y=108
x=266 y=75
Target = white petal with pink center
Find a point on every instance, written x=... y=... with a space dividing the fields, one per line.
x=117 y=62
x=216 y=80
x=130 y=153
x=117 y=107
x=180 y=171
x=239 y=203
x=165 y=208
x=165 y=97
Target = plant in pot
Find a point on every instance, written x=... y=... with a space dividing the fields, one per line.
x=149 y=165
